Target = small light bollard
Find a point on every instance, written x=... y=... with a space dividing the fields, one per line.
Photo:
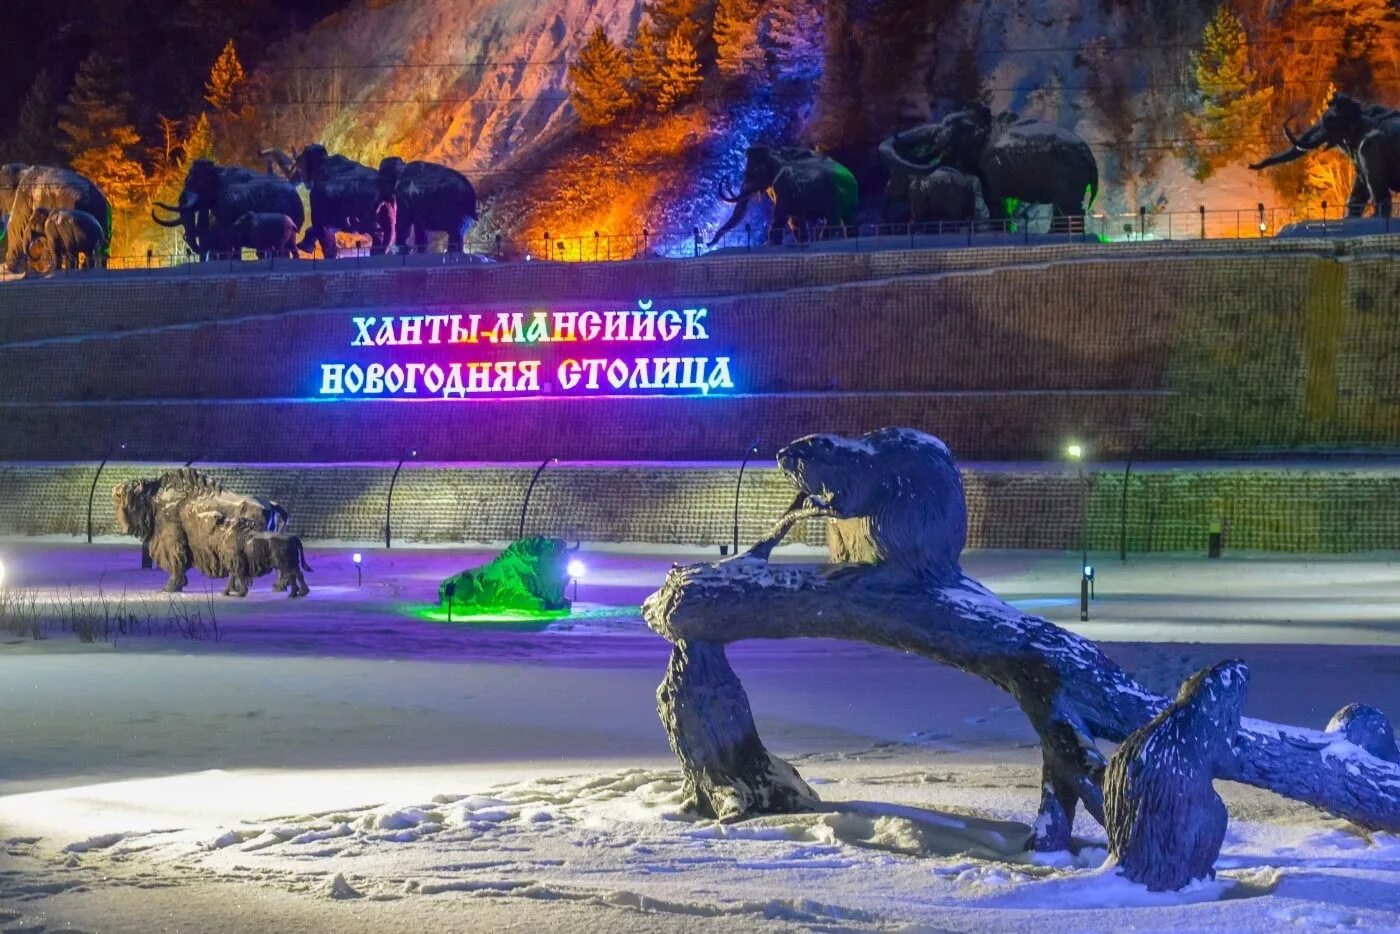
x=359 y=575
x=1216 y=539
x=451 y=590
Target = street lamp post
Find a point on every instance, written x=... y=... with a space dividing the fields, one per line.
x=529 y=491
x=752 y=450
x=1075 y=452
x=389 y=503
x=92 y=491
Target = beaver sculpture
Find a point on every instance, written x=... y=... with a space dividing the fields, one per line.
x=1165 y=821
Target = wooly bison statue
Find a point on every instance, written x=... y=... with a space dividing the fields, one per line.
x=187 y=519
x=530 y=576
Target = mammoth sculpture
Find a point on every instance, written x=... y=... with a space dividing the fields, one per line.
x=267 y=233
x=217 y=196
x=809 y=190
x=945 y=194
x=1369 y=134
x=1028 y=161
x=66 y=238
x=344 y=196
x=24 y=188
x=421 y=197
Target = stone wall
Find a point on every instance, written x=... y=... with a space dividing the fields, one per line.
x=1299 y=510
x=1164 y=349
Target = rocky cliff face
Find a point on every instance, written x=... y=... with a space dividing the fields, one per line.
x=483 y=85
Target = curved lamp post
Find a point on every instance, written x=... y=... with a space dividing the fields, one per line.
x=529 y=491
x=92 y=491
x=738 y=485
x=389 y=503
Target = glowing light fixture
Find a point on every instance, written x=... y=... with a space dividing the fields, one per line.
x=359 y=573
x=1075 y=451
x=577 y=569
x=2 y=574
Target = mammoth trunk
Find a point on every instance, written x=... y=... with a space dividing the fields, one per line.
x=741 y=207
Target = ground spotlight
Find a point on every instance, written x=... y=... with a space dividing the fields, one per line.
x=1074 y=451
x=576 y=570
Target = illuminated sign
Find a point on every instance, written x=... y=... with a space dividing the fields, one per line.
x=455 y=356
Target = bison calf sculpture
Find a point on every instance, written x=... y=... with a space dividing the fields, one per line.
x=187 y=519
x=257 y=553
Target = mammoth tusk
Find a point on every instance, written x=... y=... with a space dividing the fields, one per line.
x=893 y=158
x=166 y=207
x=164 y=223
x=1288 y=132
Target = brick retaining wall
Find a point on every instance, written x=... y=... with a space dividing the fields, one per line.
x=1164 y=349
x=1298 y=510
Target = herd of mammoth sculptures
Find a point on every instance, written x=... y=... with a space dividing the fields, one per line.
x=972 y=166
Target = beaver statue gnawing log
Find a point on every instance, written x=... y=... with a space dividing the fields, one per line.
x=898 y=498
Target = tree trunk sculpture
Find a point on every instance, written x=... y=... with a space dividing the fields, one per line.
x=1071 y=692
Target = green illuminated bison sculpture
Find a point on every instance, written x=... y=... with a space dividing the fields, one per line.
x=529 y=576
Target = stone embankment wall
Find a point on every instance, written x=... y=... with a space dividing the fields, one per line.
x=1168 y=350
x=1293 y=510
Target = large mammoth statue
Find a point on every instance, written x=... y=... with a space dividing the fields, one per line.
x=216 y=196
x=23 y=188
x=809 y=190
x=344 y=196
x=421 y=197
x=1370 y=136
x=1028 y=161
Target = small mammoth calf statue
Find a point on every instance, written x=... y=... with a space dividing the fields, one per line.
x=65 y=237
x=260 y=552
x=268 y=234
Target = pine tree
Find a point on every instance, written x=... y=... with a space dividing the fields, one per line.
x=1231 y=107
x=648 y=62
x=738 y=54
x=34 y=140
x=681 y=75
x=226 y=78
x=598 y=81
x=101 y=142
x=667 y=17
x=198 y=142
x=793 y=34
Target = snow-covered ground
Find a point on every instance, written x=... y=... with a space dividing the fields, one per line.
x=345 y=763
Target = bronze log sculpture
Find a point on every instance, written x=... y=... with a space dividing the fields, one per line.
x=901 y=491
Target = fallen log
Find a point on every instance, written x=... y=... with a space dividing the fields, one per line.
x=914 y=598
x=1070 y=691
